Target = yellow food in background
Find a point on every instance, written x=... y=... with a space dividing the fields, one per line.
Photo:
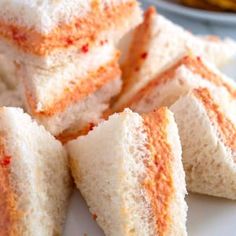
x=214 y=5
x=224 y=4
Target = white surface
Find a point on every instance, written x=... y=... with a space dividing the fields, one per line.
x=170 y=6
x=207 y=216
x=79 y=221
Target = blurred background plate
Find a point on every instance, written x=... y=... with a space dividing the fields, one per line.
x=223 y=26
x=173 y=7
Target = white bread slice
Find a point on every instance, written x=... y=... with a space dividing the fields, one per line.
x=44 y=16
x=183 y=75
x=157 y=42
x=48 y=87
x=130 y=173
x=56 y=34
x=79 y=114
x=208 y=137
x=35 y=182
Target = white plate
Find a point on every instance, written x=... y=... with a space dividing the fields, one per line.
x=207 y=216
x=170 y=6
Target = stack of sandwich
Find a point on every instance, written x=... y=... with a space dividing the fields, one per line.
x=66 y=57
x=138 y=187
x=201 y=97
x=35 y=183
x=175 y=117
x=153 y=49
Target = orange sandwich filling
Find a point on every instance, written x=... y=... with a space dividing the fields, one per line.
x=194 y=64
x=159 y=184
x=138 y=50
x=80 y=33
x=69 y=135
x=95 y=81
x=225 y=126
x=10 y=215
x=72 y=134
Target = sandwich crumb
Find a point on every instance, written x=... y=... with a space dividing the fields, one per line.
x=18 y=36
x=144 y=55
x=102 y=42
x=5 y=161
x=91 y=126
x=70 y=41
x=95 y=216
x=85 y=48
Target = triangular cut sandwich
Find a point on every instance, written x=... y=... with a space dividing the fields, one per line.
x=138 y=187
x=35 y=182
x=157 y=42
x=208 y=137
x=64 y=54
x=187 y=72
x=50 y=33
x=74 y=95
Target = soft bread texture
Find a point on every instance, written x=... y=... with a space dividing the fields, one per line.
x=157 y=42
x=57 y=50
x=12 y=97
x=48 y=87
x=116 y=192
x=44 y=15
x=79 y=114
x=3 y=86
x=8 y=72
x=35 y=182
x=68 y=97
x=207 y=135
x=183 y=75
